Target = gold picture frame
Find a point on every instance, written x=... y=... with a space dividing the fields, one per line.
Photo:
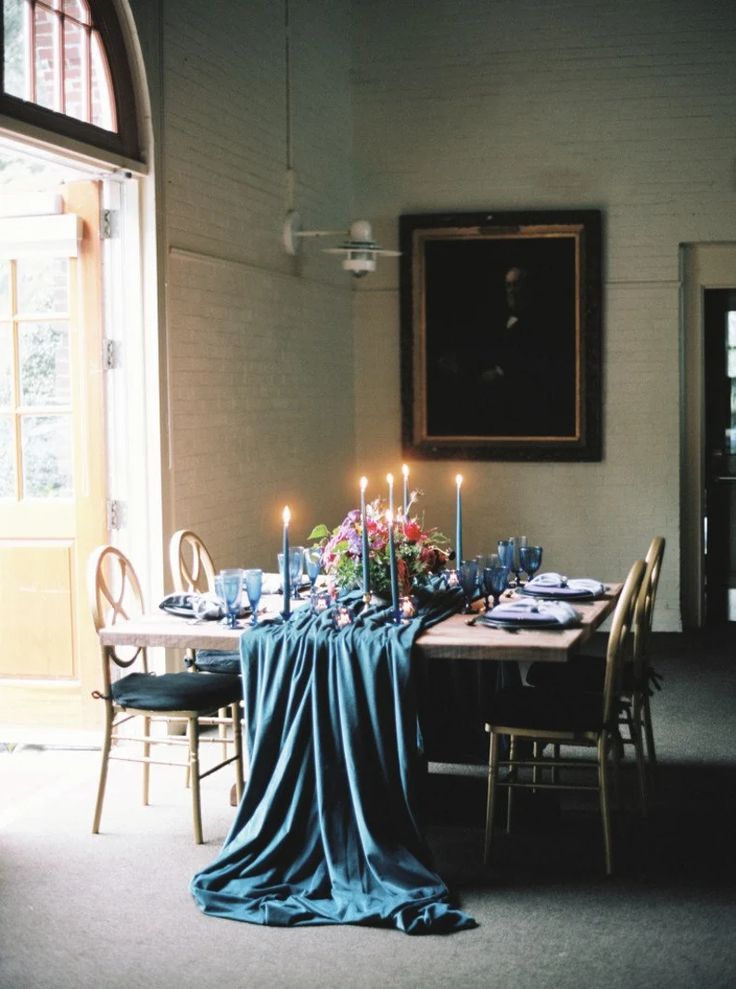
x=501 y=335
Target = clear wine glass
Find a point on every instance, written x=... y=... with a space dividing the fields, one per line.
x=313 y=564
x=232 y=589
x=296 y=565
x=467 y=575
x=531 y=559
x=253 y=588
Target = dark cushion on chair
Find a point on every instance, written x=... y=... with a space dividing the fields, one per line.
x=580 y=673
x=537 y=707
x=176 y=691
x=211 y=661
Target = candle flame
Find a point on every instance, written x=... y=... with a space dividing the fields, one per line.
x=405 y=470
x=390 y=517
x=390 y=478
x=363 y=483
x=286 y=515
x=458 y=479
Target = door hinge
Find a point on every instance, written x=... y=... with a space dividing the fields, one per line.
x=111 y=354
x=115 y=514
x=109 y=224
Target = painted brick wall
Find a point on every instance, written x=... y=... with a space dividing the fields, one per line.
x=623 y=106
x=258 y=344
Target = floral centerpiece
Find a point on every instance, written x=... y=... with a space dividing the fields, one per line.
x=420 y=552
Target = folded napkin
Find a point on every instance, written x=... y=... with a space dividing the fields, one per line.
x=205 y=607
x=547 y=613
x=556 y=583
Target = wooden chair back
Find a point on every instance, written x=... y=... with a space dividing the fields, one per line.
x=114 y=593
x=621 y=644
x=191 y=565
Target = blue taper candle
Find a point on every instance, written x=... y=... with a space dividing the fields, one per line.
x=365 y=548
x=405 y=472
x=392 y=567
x=459 y=521
x=285 y=584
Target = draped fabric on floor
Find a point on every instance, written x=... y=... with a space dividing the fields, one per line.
x=327 y=832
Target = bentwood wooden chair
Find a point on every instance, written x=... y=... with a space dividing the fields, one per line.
x=560 y=719
x=170 y=699
x=587 y=672
x=192 y=570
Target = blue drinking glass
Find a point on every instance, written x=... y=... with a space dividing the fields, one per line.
x=495 y=581
x=506 y=552
x=467 y=575
x=232 y=589
x=254 y=589
x=531 y=559
x=313 y=565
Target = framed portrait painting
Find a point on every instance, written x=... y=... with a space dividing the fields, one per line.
x=501 y=335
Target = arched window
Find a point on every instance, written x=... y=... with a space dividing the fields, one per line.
x=65 y=69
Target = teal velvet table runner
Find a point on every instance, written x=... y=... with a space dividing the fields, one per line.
x=327 y=832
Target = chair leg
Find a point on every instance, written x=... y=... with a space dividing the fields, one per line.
x=512 y=777
x=649 y=732
x=193 y=733
x=238 y=742
x=640 y=761
x=103 y=770
x=146 y=765
x=603 y=746
x=491 y=798
x=536 y=752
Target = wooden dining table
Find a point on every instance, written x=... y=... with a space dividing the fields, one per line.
x=455 y=638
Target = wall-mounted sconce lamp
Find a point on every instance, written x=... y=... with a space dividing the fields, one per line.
x=359 y=249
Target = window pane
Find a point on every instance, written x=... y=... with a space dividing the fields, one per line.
x=103 y=105
x=6 y=366
x=76 y=83
x=46 y=444
x=78 y=9
x=46 y=58
x=42 y=285
x=4 y=289
x=44 y=364
x=15 y=62
x=7 y=460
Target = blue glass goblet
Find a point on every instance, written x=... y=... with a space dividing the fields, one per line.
x=506 y=552
x=232 y=589
x=517 y=544
x=531 y=559
x=254 y=589
x=495 y=581
x=467 y=575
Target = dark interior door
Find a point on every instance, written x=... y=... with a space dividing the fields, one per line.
x=720 y=428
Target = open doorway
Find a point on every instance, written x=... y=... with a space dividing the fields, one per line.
x=708 y=421
x=73 y=355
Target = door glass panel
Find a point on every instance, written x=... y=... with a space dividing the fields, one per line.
x=47 y=456
x=103 y=104
x=7 y=460
x=4 y=290
x=42 y=285
x=6 y=366
x=44 y=364
x=14 y=38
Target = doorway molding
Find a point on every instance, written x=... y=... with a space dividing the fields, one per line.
x=702 y=266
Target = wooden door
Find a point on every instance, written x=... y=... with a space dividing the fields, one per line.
x=52 y=469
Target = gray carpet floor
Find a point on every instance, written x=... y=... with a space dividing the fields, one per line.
x=113 y=910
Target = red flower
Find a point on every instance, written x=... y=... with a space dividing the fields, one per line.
x=412 y=530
